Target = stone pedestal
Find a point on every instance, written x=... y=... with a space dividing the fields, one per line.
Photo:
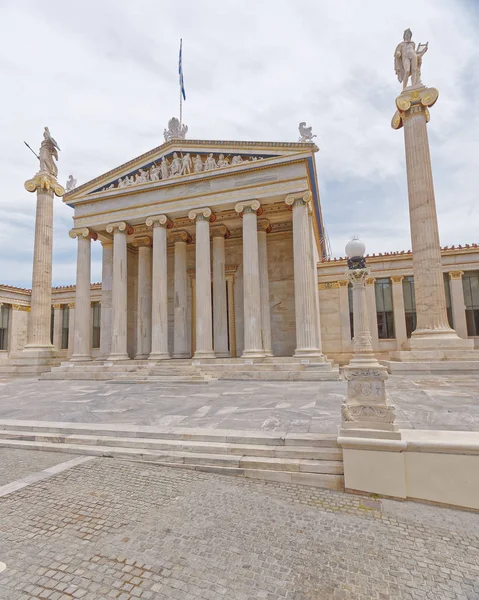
x=82 y=335
x=366 y=412
x=220 y=309
x=119 y=291
x=180 y=301
x=253 y=345
x=432 y=333
x=204 y=321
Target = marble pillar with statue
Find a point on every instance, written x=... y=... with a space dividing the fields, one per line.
x=367 y=411
x=433 y=338
x=39 y=347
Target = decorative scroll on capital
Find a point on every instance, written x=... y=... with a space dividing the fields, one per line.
x=253 y=205
x=142 y=242
x=413 y=102
x=159 y=221
x=370 y=280
x=83 y=232
x=220 y=231
x=57 y=306
x=264 y=225
x=180 y=236
x=44 y=181
x=71 y=305
x=343 y=283
x=456 y=274
x=120 y=227
x=202 y=214
x=357 y=276
x=397 y=278
x=300 y=197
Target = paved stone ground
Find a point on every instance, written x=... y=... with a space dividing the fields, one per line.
x=424 y=402
x=16 y=464
x=116 y=530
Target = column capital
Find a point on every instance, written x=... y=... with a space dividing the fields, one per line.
x=180 y=236
x=358 y=276
x=413 y=102
x=120 y=227
x=456 y=274
x=202 y=214
x=21 y=307
x=220 y=231
x=298 y=197
x=264 y=225
x=249 y=206
x=57 y=306
x=83 y=232
x=343 y=283
x=44 y=181
x=397 y=278
x=142 y=242
x=159 y=221
x=370 y=280
x=71 y=305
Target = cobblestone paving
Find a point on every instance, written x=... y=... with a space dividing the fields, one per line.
x=118 y=530
x=15 y=464
x=449 y=402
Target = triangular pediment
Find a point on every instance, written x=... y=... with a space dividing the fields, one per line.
x=180 y=159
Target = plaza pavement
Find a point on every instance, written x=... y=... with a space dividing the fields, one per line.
x=108 y=529
x=448 y=402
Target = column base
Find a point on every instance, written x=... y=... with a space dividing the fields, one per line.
x=33 y=351
x=307 y=353
x=222 y=354
x=204 y=354
x=80 y=358
x=118 y=356
x=181 y=355
x=268 y=353
x=253 y=354
x=442 y=339
x=158 y=356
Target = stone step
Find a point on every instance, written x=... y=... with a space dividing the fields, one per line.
x=272 y=375
x=331 y=456
x=224 y=436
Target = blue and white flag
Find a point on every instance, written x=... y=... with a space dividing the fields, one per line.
x=180 y=71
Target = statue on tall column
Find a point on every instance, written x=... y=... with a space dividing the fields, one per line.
x=408 y=60
x=48 y=152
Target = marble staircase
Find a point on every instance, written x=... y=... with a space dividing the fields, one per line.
x=194 y=371
x=304 y=459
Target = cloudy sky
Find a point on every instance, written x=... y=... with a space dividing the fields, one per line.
x=103 y=76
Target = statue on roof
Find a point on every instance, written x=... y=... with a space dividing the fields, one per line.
x=71 y=183
x=175 y=130
x=306 y=133
x=408 y=60
x=48 y=152
x=198 y=164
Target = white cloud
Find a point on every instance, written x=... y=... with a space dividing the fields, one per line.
x=103 y=76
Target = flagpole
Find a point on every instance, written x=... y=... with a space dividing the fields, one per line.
x=181 y=91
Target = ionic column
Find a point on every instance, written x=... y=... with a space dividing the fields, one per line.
x=57 y=326
x=82 y=335
x=204 y=329
x=264 y=228
x=143 y=315
x=18 y=327
x=220 y=310
x=344 y=316
x=119 y=291
x=71 y=328
x=253 y=343
x=180 y=300
x=457 y=303
x=106 y=292
x=372 y=311
x=304 y=293
x=432 y=331
x=315 y=260
x=159 y=310
x=399 y=312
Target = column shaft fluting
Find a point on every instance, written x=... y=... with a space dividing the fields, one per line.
x=426 y=250
x=82 y=335
x=144 y=304
x=253 y=344
x=106 y=292
x=264 y=292
x=180 y=331
x=159 y=332
x=119 y=297
x=57 y=326
x=304 y=293
x=204 y=331
x=220 y=309
x=41 y=299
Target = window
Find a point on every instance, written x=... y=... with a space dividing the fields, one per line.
x=65 y=326
x=447 y=290
x=351 y=310
x=470 y=284
x=384 y=308
x=95 y=339
x=409 y=304
x=4 y=321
